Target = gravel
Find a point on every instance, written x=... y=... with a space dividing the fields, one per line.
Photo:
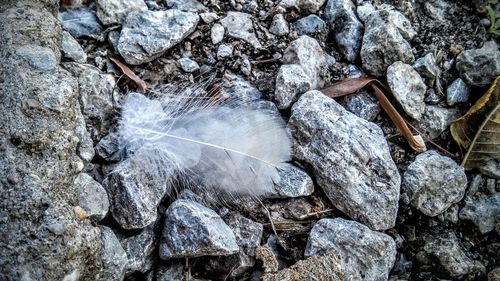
x=483 y=211
x=291 y=82
x=240 y=26
x=479 y=67
x=457 y=92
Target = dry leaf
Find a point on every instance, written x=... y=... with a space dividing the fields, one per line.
x=482 y=142
x=143 y=86
x=350 y=86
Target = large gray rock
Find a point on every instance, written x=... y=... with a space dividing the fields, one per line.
x=483 y=211
x=481 y=66
x=294 y=182
x=436 y=119
x=81 y=22
x=71 y=49
x=147 y=35
x=114 y=257
x=447 y=250
x=304 y=6
x=115 y=11
x=349 y=157
x=434 y=182
x=141 y=249
x=306 y=52
x=92 y=197
x=193 y=230
x=240 y=26
x=383 y=44
x=41 y=236
x=348 y=30
x=408 y=88
x=291 y=82
x=310 y=25
x=365 y=254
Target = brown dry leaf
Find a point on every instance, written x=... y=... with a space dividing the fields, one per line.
x=143 y=86
x=479 y=129
x=350 y=86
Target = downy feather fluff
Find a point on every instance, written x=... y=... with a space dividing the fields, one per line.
x=223 y=146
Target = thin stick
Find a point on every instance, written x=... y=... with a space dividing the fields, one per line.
x=269 y=216
x=187 y=275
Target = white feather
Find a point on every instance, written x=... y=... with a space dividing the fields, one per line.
x=224 y=147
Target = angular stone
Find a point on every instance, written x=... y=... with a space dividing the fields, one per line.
x=348 y=30
x=115 y=11
x=85 y=144
x=81 y=22
x=434 y=182
x=114 y=258
x=310 y=25
x=279 y=25
x=427 y=67
x=209 y=17
x=92 y=197
x=365 y=182
x=491 y=169
x=236 y=86
x=303 y=6
x=447 y=250
x=224 y=51
x=483 y=211
x=436 y=120
x=188 y=65
x=108 y=148
x=327 y=268
x=479 y=67
x=306 y=52
x=193 y=230
x=294 y=182
x=186 y=5
x=217 y=33
x=39 y=58
x=291 y=82
x=141 y=249
x=240 y=26
x=408 y=88
x=147 y=35
x=363 y=104
x=71 y=49
x=365 y=254
x=457 y=92
x=383 y=44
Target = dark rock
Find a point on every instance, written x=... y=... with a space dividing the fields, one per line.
x=363 y=104
x=81 y=22
x=483 y=211
x=114 y=257
x=294 y=182
x=327 y=268
x=92 y=197
x=310 y=25
x=436 y=120
x=481 y=66
x=71 y=49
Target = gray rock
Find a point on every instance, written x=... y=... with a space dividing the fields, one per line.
x=310 y=25
x=494 y=275
x=236 y=86
x=400 y=21
x=447 y=250
x=348 y=30
x=383 y=44
x=365 y=254
x=457 y=92
x=327 y=267
x=115 y=11
x=408 y=88
x=85 y=145
x=193 y=230
x=217 y=33
x=427 y=67
x=172 y=271
x=451 y=214
x=279 y=25
x=71 y=49
x=209 y=17
x=306 y=52
x=137 y=191
x=39 y=58
x=108 y=148
x=479 y=67
x=188 y=65
x=240 y=26
x=303 y=6
x=434 y=182
x=147 y=35
x=483 y=211
x=291 y=82
x=141 y=249
x=294 y=182
x=365 y=184
x=436 y=120
x=491 y=168
x=92 y=197
x=114 y=257
x=81 y=22
x=224 y=51
x=363 y=104
x=186 y=5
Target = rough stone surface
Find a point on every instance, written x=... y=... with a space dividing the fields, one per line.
x=365 y=254
x=81 y=22
x=115 y=11
x=279 y=25
x=294 y=182
x=348 y=30
x=92 y=197
x=310 y=25
x=427 y=67
x=491 y=168
x=383 y=44
x=494 y=275
x=447 y=250
x=37 y=57
x=304 y=6
x=457 y=92
x=186 y=5
x=224 y=51
x=408 y=88
x=365 y=184
x=41 y=238
x=193 y=230
x=209 y=17
x=236 y=86
x=114 y=257
x=363 y=104
x=217 y=33
x=325 y=268
x=188 y=65
x=483 y=211
x=147 y=35
x=141 y=249
x=107 y=148
x=291 y=82
x=239 y=25
x=434 y=182
x=481 y=66
x=71 y=49
x=436 y=120
x=306 y=52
